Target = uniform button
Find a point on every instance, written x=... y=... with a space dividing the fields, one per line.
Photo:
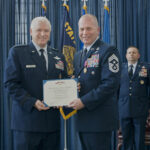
x=78 y=76
x=130 y=88
x=130 y=81
x=130 y=94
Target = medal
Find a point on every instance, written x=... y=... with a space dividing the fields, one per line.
x=92 y=72
x=85 y=70
x=142 y=82
x=144 y=69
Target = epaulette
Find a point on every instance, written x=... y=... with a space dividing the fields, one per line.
x=18 y=46
x=143 y=63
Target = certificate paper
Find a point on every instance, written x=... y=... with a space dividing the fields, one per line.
x=59 y=92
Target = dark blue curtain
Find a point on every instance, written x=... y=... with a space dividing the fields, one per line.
x=7 y=35
x=129 y=25
x=134 y=26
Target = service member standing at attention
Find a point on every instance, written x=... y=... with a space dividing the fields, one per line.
x=35 y=126
x=98 y=72
x=133 y=100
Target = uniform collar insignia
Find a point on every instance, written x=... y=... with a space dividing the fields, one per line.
x=92 y=49
x=97 y=48
x=50 y=52
x=33 y=51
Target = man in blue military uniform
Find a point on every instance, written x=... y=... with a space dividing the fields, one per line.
x=98 y=71
x=133 y=100
x=35 y=126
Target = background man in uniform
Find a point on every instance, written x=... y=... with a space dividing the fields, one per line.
x=97 y=68
x=35 y=126
x=133 y=100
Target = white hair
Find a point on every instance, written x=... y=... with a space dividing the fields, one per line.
x=90 y=17
x=40 y=19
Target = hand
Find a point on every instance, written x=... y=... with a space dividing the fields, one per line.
x=56 y=107
x=78 y=86
x=39 y=105
x=73 y=76
x=76 y=104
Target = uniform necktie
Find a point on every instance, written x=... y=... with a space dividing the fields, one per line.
x=43 y=58
x=84 y=54
x=130 y=71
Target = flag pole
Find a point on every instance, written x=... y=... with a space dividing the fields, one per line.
x=71 y=44
x=65 y=121
x=65 y=134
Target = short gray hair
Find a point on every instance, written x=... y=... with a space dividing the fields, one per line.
x=37 y=20
x=89 y=16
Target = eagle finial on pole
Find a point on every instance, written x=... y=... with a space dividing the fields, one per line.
x=65 y=2
x=84 y=2
x=106 y=2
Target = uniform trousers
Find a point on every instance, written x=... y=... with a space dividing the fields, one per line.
x=95 y=140
x=133 y=131
x=36 y=140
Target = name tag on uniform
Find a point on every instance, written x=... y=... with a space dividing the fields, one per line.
x=30 y=66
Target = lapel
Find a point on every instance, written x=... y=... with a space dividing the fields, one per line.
x=137 y=69
x=90 y=52
x=51 y=62
x=81 y=64
x=79 y=58
x=77 y=61
x=35 y=56
x=126 y=70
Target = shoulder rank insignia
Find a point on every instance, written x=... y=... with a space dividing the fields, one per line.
x=54 y=49
x=113 y=63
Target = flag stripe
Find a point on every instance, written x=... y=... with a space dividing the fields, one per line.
x=44 y=8
x=107 y=8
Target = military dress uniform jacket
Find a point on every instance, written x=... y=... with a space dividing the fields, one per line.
x=24 y=77
x=99 y=76
x=133 y=94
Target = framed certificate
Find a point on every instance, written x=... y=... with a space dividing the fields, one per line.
x=59 y=92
